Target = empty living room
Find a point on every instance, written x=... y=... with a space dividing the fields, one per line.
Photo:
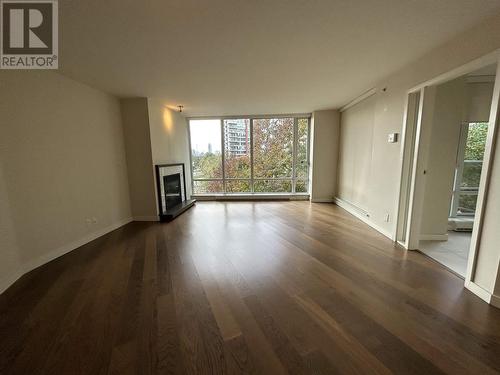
x=249 y=187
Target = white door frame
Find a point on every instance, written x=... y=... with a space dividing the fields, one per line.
x=406 y=202
x=415 y=201
x=407 y=157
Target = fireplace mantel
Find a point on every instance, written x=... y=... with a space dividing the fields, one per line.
x=171 y=190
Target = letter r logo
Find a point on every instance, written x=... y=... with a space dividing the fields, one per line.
x=27 y=27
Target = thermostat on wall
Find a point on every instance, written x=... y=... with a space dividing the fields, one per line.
x=392 y=138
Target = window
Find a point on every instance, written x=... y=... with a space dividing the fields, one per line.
x=273 y=155
x=302 y=162
x=206 y=156
x=468 y=171
x=250 y=155
x=237 y=168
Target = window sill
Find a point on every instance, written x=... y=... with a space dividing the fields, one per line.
x=251 y=196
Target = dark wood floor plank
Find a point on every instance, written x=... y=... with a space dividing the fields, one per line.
x=411 y=332
x=305 y=332
x=246 y=288
x=414 y=332
x=318 y=364
x=289 y=357
x=23 y=306
x=228 y=327
x=147 y=330
x=235 y=290
x=169 y=359
x=428 y=283
x=190 y=339
x=124 y=356
x=201 y=341
x=91 y=320
x=465 y=338
x=123 y=360
x=341 y=336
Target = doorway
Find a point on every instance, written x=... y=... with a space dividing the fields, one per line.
x=445 y=139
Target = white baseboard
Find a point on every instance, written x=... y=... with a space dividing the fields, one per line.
x=322 y=200
x=478 y=291
x=146 y=218
x=364 y=217
x=37 y=262
x=495 y=301
x=434 y=237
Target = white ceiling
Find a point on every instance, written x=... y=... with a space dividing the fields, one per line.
x=221 y=57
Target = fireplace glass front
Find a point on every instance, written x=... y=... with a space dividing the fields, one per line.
x=172 y=190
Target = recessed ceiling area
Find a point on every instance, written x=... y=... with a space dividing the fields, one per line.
x=224 y=57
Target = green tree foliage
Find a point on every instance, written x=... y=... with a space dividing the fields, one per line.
x=476 y=141
x=302 y=168
x=207 y=165
x=272 y=147
x=474 y=154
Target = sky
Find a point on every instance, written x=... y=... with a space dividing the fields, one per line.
x=204 y=132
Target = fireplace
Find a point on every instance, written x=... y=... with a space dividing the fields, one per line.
x=171 y=191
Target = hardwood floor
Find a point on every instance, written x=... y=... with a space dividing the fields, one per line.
x=262 y=288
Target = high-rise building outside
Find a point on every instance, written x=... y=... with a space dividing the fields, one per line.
x=236 y=138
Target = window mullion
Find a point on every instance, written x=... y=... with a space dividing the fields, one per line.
x=223 y=155
x=308 y=155
x=294 y=153
x=251 y=156
x=459 y=169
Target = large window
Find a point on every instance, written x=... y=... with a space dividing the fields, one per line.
x=250 y=155
x=206 y=156
x=468 y=171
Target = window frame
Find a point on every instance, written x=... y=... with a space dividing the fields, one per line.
x=458 y=190
x=252 y=179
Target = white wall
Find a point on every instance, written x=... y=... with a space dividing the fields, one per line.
x=355 y=156
x=63 y=162
x=478 y=104
x=324 y=154
x=388 y=118
x=169 y=137
x=154 y=134
x=448 y=108
x=135 y=119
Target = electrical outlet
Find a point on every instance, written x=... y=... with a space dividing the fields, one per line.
x=88 y=221
x=392 y=138
x=386 y=217
x=94 y=220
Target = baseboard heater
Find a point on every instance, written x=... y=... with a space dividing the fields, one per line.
x=459 y=224
x=358 y=210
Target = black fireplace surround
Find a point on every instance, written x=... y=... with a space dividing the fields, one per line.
x=171 y=190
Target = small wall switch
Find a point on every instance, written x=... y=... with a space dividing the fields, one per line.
x=392 y=138
x=386 y=217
